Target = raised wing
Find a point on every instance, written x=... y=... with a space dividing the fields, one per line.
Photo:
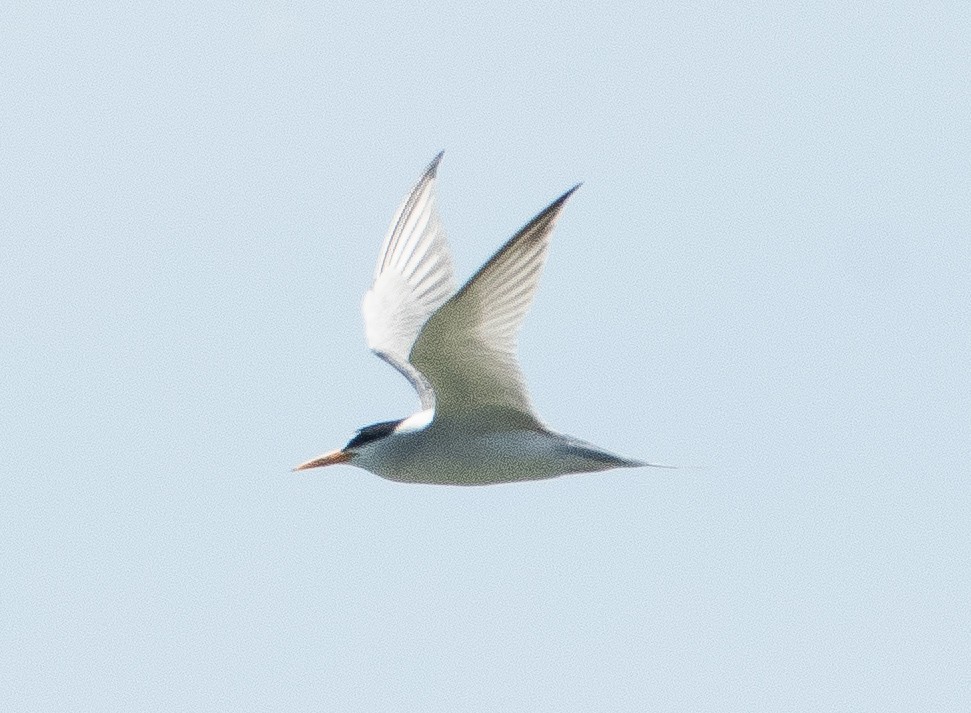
x=467 y=349
x=412 y=279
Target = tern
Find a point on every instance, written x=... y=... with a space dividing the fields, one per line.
x=476 y=425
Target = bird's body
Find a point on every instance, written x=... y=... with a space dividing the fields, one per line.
x=421 y=449
x=457 y=347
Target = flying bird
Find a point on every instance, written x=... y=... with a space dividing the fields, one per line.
x=476 y=425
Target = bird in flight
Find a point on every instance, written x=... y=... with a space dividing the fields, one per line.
x=458 y=349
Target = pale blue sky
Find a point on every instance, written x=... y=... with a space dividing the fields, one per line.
x=767 y=273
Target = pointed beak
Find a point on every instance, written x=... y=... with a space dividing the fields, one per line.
x=332 y=458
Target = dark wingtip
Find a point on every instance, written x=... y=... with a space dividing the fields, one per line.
x=433 y=166
x=553 y=209
x=563 y=199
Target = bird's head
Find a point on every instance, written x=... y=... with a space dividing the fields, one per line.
x=364 y=438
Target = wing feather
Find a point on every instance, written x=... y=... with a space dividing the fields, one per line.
x=467 y=348
x=412 y=279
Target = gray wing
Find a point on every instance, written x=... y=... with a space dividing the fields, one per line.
x=412 y=279
x=467 y=349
